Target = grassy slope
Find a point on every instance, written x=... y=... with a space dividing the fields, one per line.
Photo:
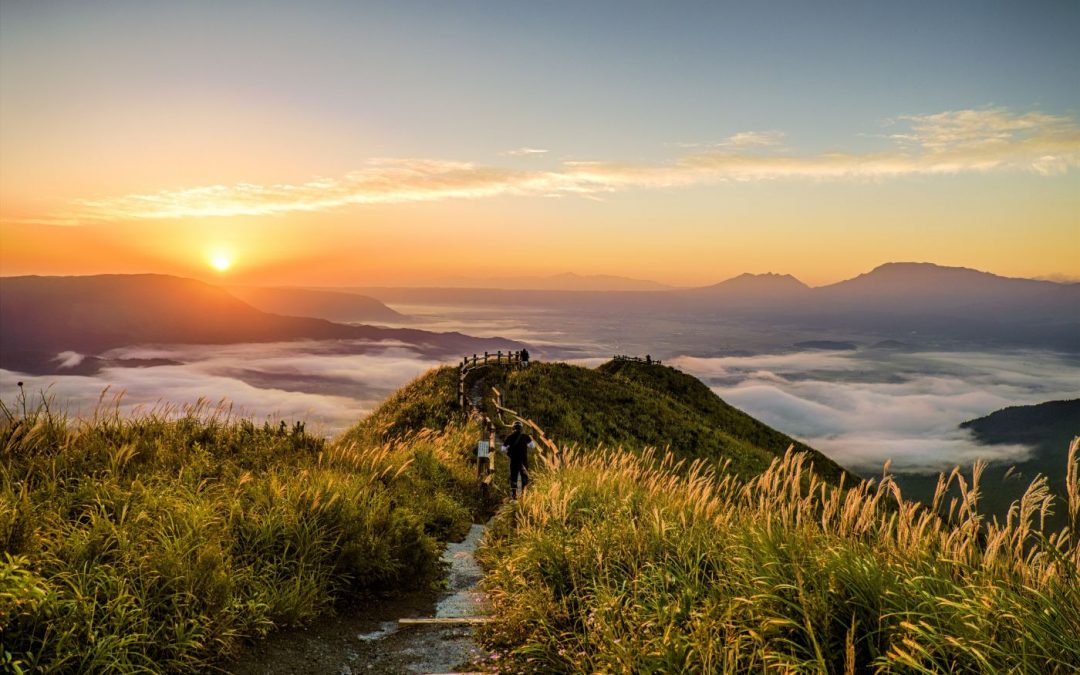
x=161 y=543
x=428 y=402
x=636 y=406
x=613 y=564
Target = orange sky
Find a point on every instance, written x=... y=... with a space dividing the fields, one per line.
x=319 y=150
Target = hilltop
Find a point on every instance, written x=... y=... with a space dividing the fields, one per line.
x=619 y=404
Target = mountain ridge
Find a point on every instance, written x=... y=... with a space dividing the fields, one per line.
x=45 y=316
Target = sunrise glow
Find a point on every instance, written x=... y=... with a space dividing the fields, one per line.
x=674 y=159
x=221 y=261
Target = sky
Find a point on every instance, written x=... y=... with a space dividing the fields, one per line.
x=407 y=142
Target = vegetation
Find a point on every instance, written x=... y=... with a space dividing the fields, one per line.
x=1045 y=428
x=636 y=406
x=161 y=542
x=428 y=402
x=614 y=563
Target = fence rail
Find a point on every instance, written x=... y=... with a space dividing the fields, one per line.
x=494 y=359
x=638 y=359
x=508 y=359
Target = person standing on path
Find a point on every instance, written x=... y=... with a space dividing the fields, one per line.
x=516 y=446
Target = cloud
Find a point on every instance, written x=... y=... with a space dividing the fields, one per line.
x=319 y=382
x=69 y=359
x=953 y=142
x=741 y=140
x=525 y=152
x=749 y=139
x=863 y=409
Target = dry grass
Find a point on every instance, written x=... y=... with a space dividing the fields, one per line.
x=161 y=542
x=617 y=563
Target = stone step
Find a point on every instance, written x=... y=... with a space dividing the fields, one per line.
x=447 y=620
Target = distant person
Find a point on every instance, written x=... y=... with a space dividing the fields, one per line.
x=516 y=446
x=524 y=357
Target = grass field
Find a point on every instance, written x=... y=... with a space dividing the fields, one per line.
x=617 y=563
x=163 y=541
x=166 y=540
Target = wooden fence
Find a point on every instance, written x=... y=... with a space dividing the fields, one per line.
x=637 y=359
x=512 y=360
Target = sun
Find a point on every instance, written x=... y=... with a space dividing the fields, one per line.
x=220 y=260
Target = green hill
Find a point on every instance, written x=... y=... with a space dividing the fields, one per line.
x=1045 y=428
x=166 y=541
x=621 y=403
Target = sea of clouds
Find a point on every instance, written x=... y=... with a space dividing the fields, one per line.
x=325 y=383
x=865 y=407
x=860 y=407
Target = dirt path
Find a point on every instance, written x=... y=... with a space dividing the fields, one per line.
x=372 y=641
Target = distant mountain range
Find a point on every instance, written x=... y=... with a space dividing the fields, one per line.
x=42 y=317
x=905 y=301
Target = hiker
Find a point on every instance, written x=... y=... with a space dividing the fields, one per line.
x=516 y=446
x=524 y=357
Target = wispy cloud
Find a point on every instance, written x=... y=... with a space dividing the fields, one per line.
x=964 y=141
x=743 y=139
x=525 y=152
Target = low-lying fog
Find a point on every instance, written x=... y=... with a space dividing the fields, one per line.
x=316 y=381
x=865 y=407
x=861 y=407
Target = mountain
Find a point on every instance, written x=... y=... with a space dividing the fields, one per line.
x=619 y=404
x=920 y=304
x=1045 y=428
x=40 y=317
x=320 y=304
x=926 y=288
x=758 y=285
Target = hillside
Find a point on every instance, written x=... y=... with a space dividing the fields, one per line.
x=620 y=404
x=43 y=316
x=190 y=537
x=320 y=304
x=1045 y=428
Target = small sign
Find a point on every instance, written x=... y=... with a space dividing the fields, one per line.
x=482 y=449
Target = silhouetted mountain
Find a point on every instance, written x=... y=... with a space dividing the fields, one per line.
x=919 y=304
x=925 y=288
x=757 y=285
x=329 y=305
x=43 y=316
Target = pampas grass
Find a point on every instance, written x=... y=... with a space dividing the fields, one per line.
x=614 y=562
